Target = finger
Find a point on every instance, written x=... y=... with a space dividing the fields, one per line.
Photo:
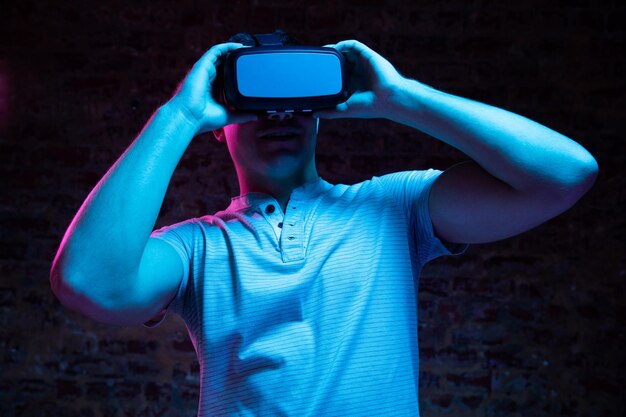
x=341 y=110
x=354 y=52
x=204 y=71
x=213 y=56
x=373 y=63
x=353 y=45
x=351 y=59
x=355 y=49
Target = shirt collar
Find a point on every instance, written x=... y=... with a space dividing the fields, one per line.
x=308 y=190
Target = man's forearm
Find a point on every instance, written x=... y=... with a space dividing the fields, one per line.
x=512 y=148
x=109 y=233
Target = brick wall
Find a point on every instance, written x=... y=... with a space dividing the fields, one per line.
x=530 y=326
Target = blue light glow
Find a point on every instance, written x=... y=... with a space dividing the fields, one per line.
x=288 y=75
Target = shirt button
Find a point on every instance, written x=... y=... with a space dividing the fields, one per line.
x=280 y=225
x=270 y=209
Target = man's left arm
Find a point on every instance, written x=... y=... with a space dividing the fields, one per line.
x=521 y=174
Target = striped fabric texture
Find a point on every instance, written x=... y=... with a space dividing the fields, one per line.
x=310 y=312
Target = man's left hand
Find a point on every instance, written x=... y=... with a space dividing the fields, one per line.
x=373 y=82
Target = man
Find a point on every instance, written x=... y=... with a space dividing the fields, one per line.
x=300 y=297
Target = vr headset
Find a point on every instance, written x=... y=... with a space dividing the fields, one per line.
x=271 y=77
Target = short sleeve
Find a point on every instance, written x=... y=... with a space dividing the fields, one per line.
x=180 y=237
x=411 y=190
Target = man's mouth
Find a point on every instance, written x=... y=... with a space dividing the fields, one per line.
x=279 y=133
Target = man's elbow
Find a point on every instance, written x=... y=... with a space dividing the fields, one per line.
x=74 y=294
x=586 y=173
x=65 y=287
x=578 y=179
x=60 y=283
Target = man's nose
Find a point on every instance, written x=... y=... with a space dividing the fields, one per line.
x=280 y=115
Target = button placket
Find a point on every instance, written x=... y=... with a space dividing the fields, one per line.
x=291 y=241
x=273 y=215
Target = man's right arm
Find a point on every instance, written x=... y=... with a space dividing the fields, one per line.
x=107 y=267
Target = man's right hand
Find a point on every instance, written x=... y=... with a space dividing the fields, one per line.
x=195 y=96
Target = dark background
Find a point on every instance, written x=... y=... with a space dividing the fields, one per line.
x=529 y=326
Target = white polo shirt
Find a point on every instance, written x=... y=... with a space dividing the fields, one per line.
x=311 y=312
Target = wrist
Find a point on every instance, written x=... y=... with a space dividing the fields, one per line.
x=407 y=102
x=180 y=115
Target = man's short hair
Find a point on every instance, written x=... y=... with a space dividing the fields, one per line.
x=247 y=39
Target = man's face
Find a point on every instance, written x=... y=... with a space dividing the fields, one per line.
x=275 y=148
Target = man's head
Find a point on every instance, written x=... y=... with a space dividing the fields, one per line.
x=247 y=39
x=279 y=148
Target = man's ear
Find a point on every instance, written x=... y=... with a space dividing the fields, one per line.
x=219 y=135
